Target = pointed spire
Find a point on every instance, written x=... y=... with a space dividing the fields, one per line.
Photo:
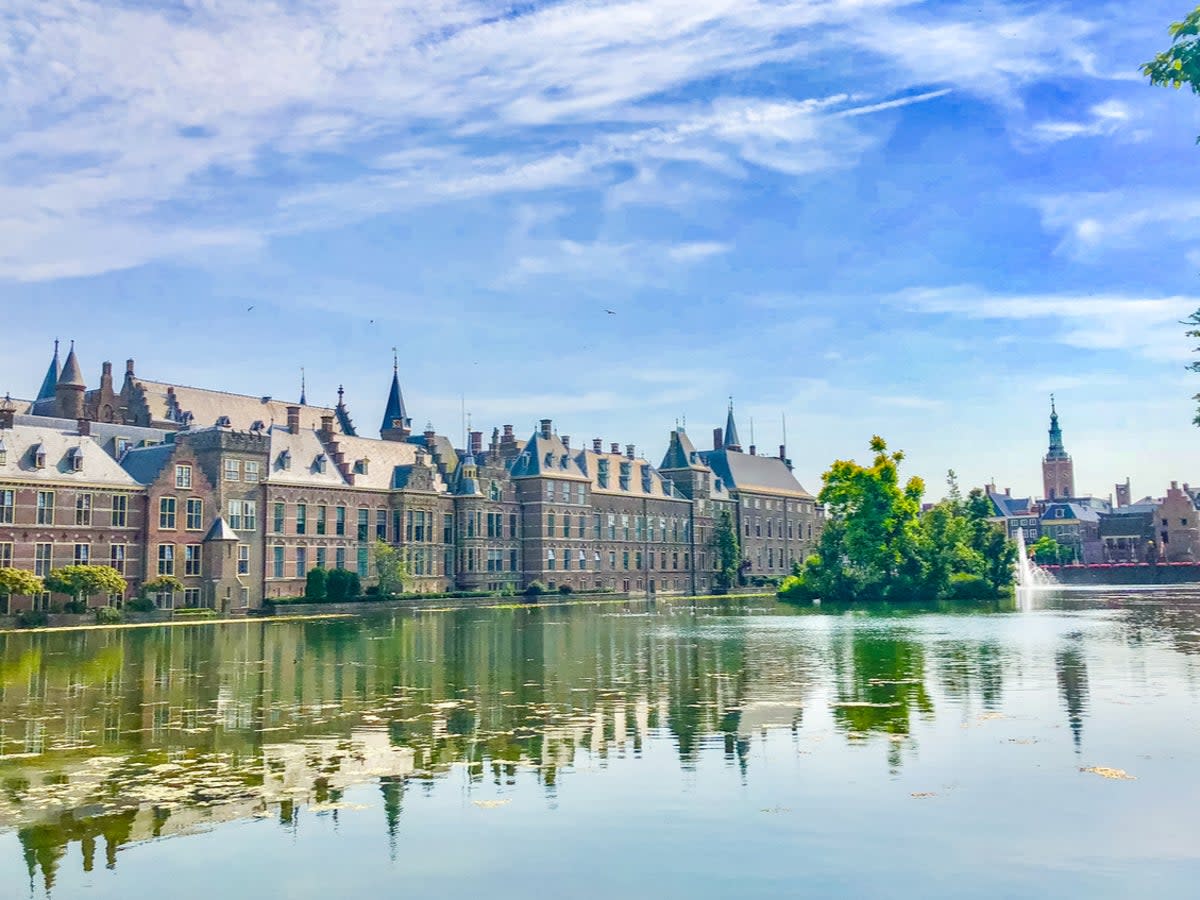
x=303 y=397
x=395 y=418
x=50 y=382
x=71 y=373
x=731 y=435
x=1057 y=451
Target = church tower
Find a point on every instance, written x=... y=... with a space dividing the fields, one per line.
x=1058 y=471
x=70 y=388
x=397 y=426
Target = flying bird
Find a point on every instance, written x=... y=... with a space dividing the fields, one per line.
x=610 y=312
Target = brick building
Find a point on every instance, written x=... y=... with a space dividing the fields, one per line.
x=240 y=496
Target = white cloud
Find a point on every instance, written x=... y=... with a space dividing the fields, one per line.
x=1107 y=118
x=1147 y=326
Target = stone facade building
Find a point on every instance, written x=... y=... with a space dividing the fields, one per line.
x=239 y=497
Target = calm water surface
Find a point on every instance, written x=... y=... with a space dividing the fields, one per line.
x=665 y=750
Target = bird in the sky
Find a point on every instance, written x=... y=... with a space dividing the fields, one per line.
x=610 y=312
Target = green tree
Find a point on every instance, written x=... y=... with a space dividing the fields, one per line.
x=878 y=545
x=1180 y=64
x=19 y=582
x=728 y=551
x=1046 y=550
x=81 y=582
x=391 y=567
x=316 y=584
x=337 y=585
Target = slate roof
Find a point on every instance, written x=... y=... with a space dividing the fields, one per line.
x=391 y=462
x=1125 y=524
x=302 y=450
x=756 y=474
x=103 y=433
x=71 y=373
x=207 y=406
x=547 y=457
x=395 y=412
x=220 y=531
x=1072 y=511
x=145 y=464
x=98 y=468
x=644 y=479
x=681 y=453
x=1011 y=507
x=50 y=382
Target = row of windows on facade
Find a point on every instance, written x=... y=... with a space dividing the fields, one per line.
x=416 y=525
x=796 y=506
x=80 y=555
x=795 y=531
x=644 y=528
x=555 y=557
x=85 y=508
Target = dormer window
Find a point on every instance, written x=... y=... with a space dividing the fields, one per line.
x=549 y=459
x=224 y=422
x=319 y=462
x=75 y=458
x=563 y=462
x=3 y=454
x=361 y=466
x=285 y=460
x=494 y=492
x=602 y=473
x=39 y=456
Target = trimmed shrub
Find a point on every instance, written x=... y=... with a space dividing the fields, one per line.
x=31 y=618
x=194 y=613
x=316 y=584
x=108 y=615
x=140 y=603
x=353 y=586
x=75 y=607
x=535 y=589
x=565 y=589
x=337 y=586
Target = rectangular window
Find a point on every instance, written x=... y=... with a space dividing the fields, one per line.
x=183 y=477
x=243 y=565
x=512 y=560
x=550 y=560
x=301 y=562
x=381 y=518
x=419 y=526
x=83 y=554
x=83 y=509
x=550 y=491
x=512 y=525
x=166 y=559
x=235 y=515
x=340 y=521
x=166 y=513
x=567 y=525
x=550 y=522
x=625 y=560
x=277 y=562
x=363 y=562
x=364 y=525
x=320 y=519
x=45 y=507
x=7 y=505
x=582 y=559
x=120 y=510
x=6 y=556
x=612 y=559
x=447 y=529
x=278 y=515
x=251 y=472
x=191 y=597
x=339 y=556
x=321 y=560
x=42 y=555
x=191 y=559
x=233 y=470
x=302 y=518
x=116 y=557
x=195 y=514
x=250 y=514
x=625 y=527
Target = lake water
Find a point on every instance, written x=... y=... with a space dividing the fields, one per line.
x=676 y=749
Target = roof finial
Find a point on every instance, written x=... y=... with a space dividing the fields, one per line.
x=341 y=393
x=395 y=361
x=1052 y=411
x=303 y=392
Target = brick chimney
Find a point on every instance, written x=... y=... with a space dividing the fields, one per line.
x=566 y=439
x=83 y=426
x=293 y=419
x=477 y=443
x=597 y=445
x=546 y=429
x=614 y=447
x=753 y=450
x=8 y=411
x=326 y=427
x=718 y=439
x=782 y=452
x=629 y=451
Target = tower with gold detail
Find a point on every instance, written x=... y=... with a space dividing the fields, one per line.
x=1058 y=470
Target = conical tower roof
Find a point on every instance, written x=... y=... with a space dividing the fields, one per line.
x=731 y=435
x=394 y=415
x=50 y=382
x=71 y=373
x=1057 y=451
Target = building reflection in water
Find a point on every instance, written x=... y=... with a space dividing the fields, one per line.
x=108 y=738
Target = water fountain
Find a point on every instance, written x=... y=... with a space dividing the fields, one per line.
x=1030 y=576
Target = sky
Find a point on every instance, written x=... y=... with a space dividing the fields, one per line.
x=913 y=219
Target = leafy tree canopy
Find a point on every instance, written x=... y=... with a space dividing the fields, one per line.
x=19 y=582
x=391 y=567
x=84 y=581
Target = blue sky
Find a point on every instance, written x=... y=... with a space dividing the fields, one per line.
x=916 y=219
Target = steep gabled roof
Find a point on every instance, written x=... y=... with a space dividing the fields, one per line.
x=394 y=411
x=681 y=453
x=756 y=474
x=145 y=464
x=546 y=457
x=50 y=382
x=168 y=405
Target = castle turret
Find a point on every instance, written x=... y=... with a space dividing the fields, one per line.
x=397 y=426
x=70 y=389
x=731 y=441
x=50 y=382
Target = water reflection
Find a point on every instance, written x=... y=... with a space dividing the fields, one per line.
x=108 y=738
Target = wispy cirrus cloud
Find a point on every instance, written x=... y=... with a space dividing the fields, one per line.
x=1145 y=326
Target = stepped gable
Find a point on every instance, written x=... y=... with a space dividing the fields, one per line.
x=162 y=405
x=392 y=465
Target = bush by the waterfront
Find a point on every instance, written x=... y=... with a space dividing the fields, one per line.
x=32 y=618
x=108 y=615
x=878 y=545
x=535 y=589
x=198 y=612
